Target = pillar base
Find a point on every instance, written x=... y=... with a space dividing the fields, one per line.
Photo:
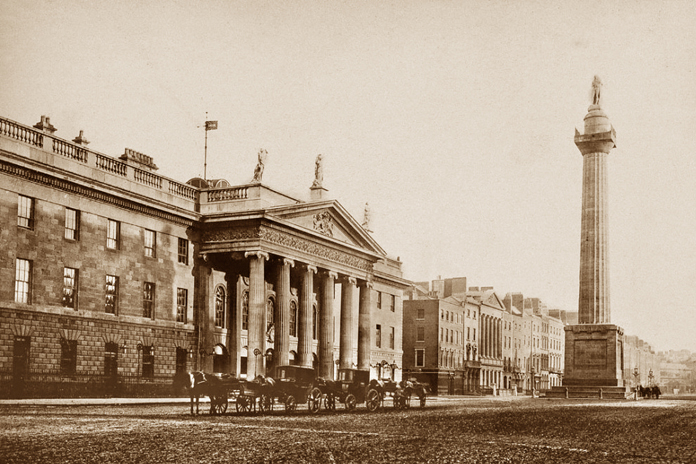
x=594 y=356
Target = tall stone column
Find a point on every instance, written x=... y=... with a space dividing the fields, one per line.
x=235 y=331
x=305 y=335
x=346 y=348
x=205 y=314
x=281 y=340
x=365 y=325
x=257 y=308
x=326 y=325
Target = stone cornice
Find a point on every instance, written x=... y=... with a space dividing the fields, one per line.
x=60 y=184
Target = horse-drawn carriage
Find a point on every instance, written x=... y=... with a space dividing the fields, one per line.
x=217 y=387
x=354 y=387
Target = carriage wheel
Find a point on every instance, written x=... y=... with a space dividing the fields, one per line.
x=242 y=404
x=218 y=405
x=330 y=402
x=290 y=403
x=350 y=402
x=314 y=400
x=265 y=403
x=372 y=400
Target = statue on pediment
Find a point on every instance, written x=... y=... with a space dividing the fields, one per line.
x=258 y=171
x=367 y=217
x=318 y=173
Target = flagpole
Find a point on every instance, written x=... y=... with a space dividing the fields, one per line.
x=205 y=154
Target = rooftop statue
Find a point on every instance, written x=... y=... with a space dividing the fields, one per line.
x=596 y=90
x=258 y=171
x=318 y=173
x=367 y=217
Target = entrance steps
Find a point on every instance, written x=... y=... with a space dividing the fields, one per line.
x=598 y=392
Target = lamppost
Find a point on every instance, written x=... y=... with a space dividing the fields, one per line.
x=651 y=378
x=636 y=375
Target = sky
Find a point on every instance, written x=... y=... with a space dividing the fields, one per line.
x=454 y=120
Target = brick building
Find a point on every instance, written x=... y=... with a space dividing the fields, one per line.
x=115 y=278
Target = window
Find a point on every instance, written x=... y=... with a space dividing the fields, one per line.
x=379 y=300
x=183 y=250
x=111 y=290
x=68 y=357
x=269 y=314
x=148 y=362
x=219 y=307
x=315 y=321
x=421 y=334
x=421 y=314
x=22 y=292
x=148 y=300
x=70 y=286
x=150 y=243
x=378 y=336
x=447 y=335
x=442 y=314
x=420 y=358
x=245 y=311
x=392 y=303
x=113 y=234
x=181 y=304
x=474 y=334
x=391 y=338
x=111 y=360
x=25 y=212
x=442 y=332
x=293 y=319
x=72 y=224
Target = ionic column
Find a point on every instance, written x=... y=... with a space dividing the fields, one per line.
x=281 y=342
x=346 y=348
x=325 y=350
x=304 y=342
x=364 y=325
x=235 y=331
x=257 y=308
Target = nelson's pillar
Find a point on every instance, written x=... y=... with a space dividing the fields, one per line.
x=594 y=347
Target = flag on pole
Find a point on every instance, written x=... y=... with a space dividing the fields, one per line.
x=210 y=125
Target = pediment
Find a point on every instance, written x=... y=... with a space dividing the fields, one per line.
x=327 y=218
x=493 y=300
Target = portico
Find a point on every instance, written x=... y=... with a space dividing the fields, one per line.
x=282 y=263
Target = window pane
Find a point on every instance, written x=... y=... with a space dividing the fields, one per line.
x=23 y=281
x=219 y=307
x=150 y=243
x=112 y=234
x=183 y=251
x=181 y=304
x=245 y=311
x=70 y=287
x=72 y=224
x=111 y=294
x=25 y=212
x=148 y=299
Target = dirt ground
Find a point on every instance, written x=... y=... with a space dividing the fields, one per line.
x=448 y=430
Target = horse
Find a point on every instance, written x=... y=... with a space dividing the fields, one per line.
x=197 y=384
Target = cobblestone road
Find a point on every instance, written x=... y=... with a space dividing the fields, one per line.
x=447 y=430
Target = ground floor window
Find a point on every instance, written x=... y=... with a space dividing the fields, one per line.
x=111 y=360
x=20 y=360
x=148 y=362
x=68 y=357
x=420 y=358
x=181 y=358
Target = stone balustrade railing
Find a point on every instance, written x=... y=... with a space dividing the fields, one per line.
x=230 y=193
x=79 y=153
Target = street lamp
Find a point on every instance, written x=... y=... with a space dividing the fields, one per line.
x=650 y=378
x=257 y=352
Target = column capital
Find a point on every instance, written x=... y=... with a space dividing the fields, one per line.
x=310 y=268
x=331 y=274
x=259 y=254
x=289 y=261
x=349 y=280
x=366 y=284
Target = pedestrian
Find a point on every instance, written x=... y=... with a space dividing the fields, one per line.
x=656 y=391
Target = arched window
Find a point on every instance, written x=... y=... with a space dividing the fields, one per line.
x=293 y=319
x=269 y=313
x=245 y=311
x=219 y=306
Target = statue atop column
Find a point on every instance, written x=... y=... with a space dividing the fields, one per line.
x=318 y=173
x=258 y=171
x=596 y=91
x=367 y=217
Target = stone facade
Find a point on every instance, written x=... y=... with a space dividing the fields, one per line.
x=117 y=278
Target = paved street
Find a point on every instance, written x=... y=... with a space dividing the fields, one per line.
x=447 y=430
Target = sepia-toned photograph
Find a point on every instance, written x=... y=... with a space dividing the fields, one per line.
x=304 y=231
